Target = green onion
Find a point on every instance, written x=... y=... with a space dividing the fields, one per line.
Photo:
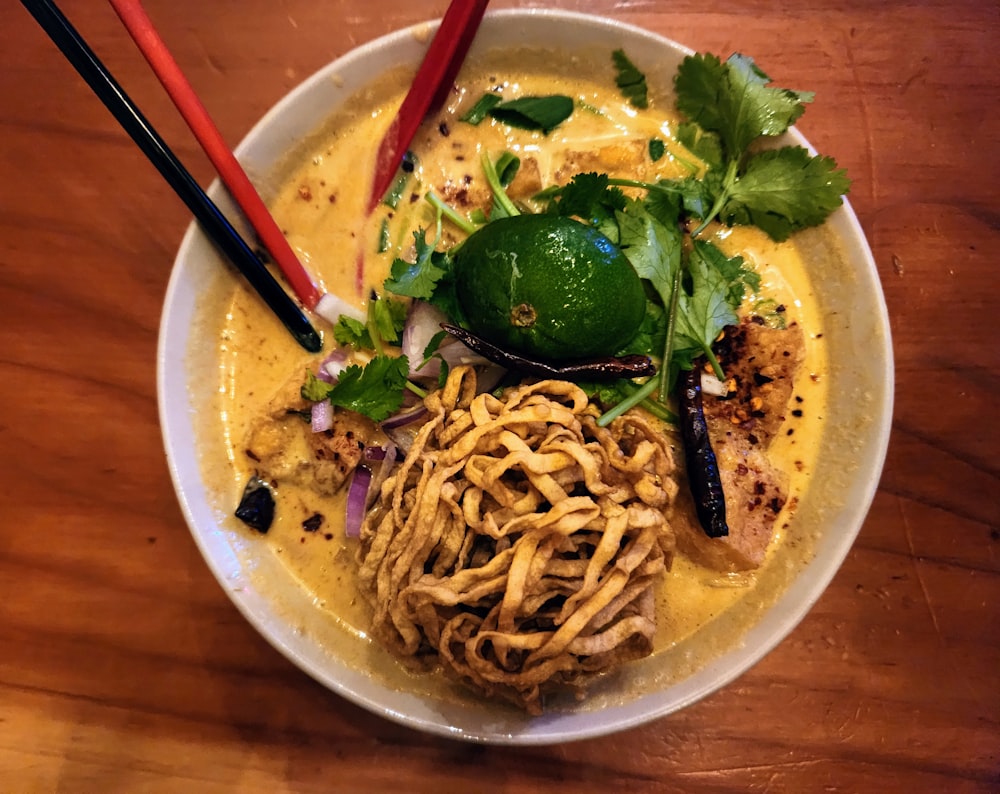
x=481 y=109
x=398 y=187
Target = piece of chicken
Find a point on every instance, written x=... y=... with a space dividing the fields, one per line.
x=284 y=448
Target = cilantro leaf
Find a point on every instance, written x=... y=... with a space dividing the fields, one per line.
x=698 y=84
x=703 y=311
x=386 y=318
x=543 y=113
x=740 y=276
x=349 y=332
x=650 y=339
x=733 y=99
x=784 y=190
x=583 y=194
x=665 y=204
x=376 y=390
x=432 y=346
x=653 y=248
x=419 y=278
x=706 y=146
x=590 y=197
x=780 y=191
x=314 y=390
x=657 y=148
x=630 y=81
x=698 y=195
x=758 y=108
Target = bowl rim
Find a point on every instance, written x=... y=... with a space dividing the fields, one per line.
x=761 y=638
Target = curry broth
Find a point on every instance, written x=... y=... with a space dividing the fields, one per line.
x=320 y=206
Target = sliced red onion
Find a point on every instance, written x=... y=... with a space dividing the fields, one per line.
x=388 y=461
x=456 y=354
x=489 y=377
x=333 y=369
x=403 y=436
x=357 y=501
x=403 y=418
x=374 y=453
x=332 y=366
x=321 y=416
x=330 y=307
x=423 y=321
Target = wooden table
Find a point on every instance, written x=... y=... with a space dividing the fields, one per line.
x=124 y=667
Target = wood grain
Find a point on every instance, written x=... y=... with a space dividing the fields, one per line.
x=123 y=666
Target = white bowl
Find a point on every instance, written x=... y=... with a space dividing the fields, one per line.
x=831 y=512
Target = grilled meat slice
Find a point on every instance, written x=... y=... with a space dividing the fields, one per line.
x=755 y=492
x=761 y=363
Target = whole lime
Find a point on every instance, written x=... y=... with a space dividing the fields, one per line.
x=548 y=287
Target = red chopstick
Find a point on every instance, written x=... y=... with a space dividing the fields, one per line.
x=141 y=29
x=430 y=87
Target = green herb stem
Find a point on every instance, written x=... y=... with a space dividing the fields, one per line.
x=383 y=236
x=688 y=165
x=635 y=183
x=633 y=400
x=450 y=212
x=584 y=105
x=499 y=194
x=716 y=366
x=659 y=410
x=372 y=326
x=417 y=390
x=648 y=186
x=668 y=345
x=721 y=199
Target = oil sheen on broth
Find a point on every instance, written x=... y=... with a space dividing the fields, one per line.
x=320 y=206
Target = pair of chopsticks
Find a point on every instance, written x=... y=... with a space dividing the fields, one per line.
x=215 y=224
x=437 y=71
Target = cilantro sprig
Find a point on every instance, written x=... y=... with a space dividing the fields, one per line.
x=375 y=390
x=417 y=279
x=733 y=105
x=384 y=324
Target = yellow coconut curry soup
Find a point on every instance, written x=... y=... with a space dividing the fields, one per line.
x=577 y=381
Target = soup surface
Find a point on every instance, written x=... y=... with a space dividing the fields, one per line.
x=320 y=204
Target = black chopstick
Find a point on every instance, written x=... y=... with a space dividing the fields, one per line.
x=212 y=221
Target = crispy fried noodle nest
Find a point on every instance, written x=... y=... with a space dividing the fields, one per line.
x=518 y=544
